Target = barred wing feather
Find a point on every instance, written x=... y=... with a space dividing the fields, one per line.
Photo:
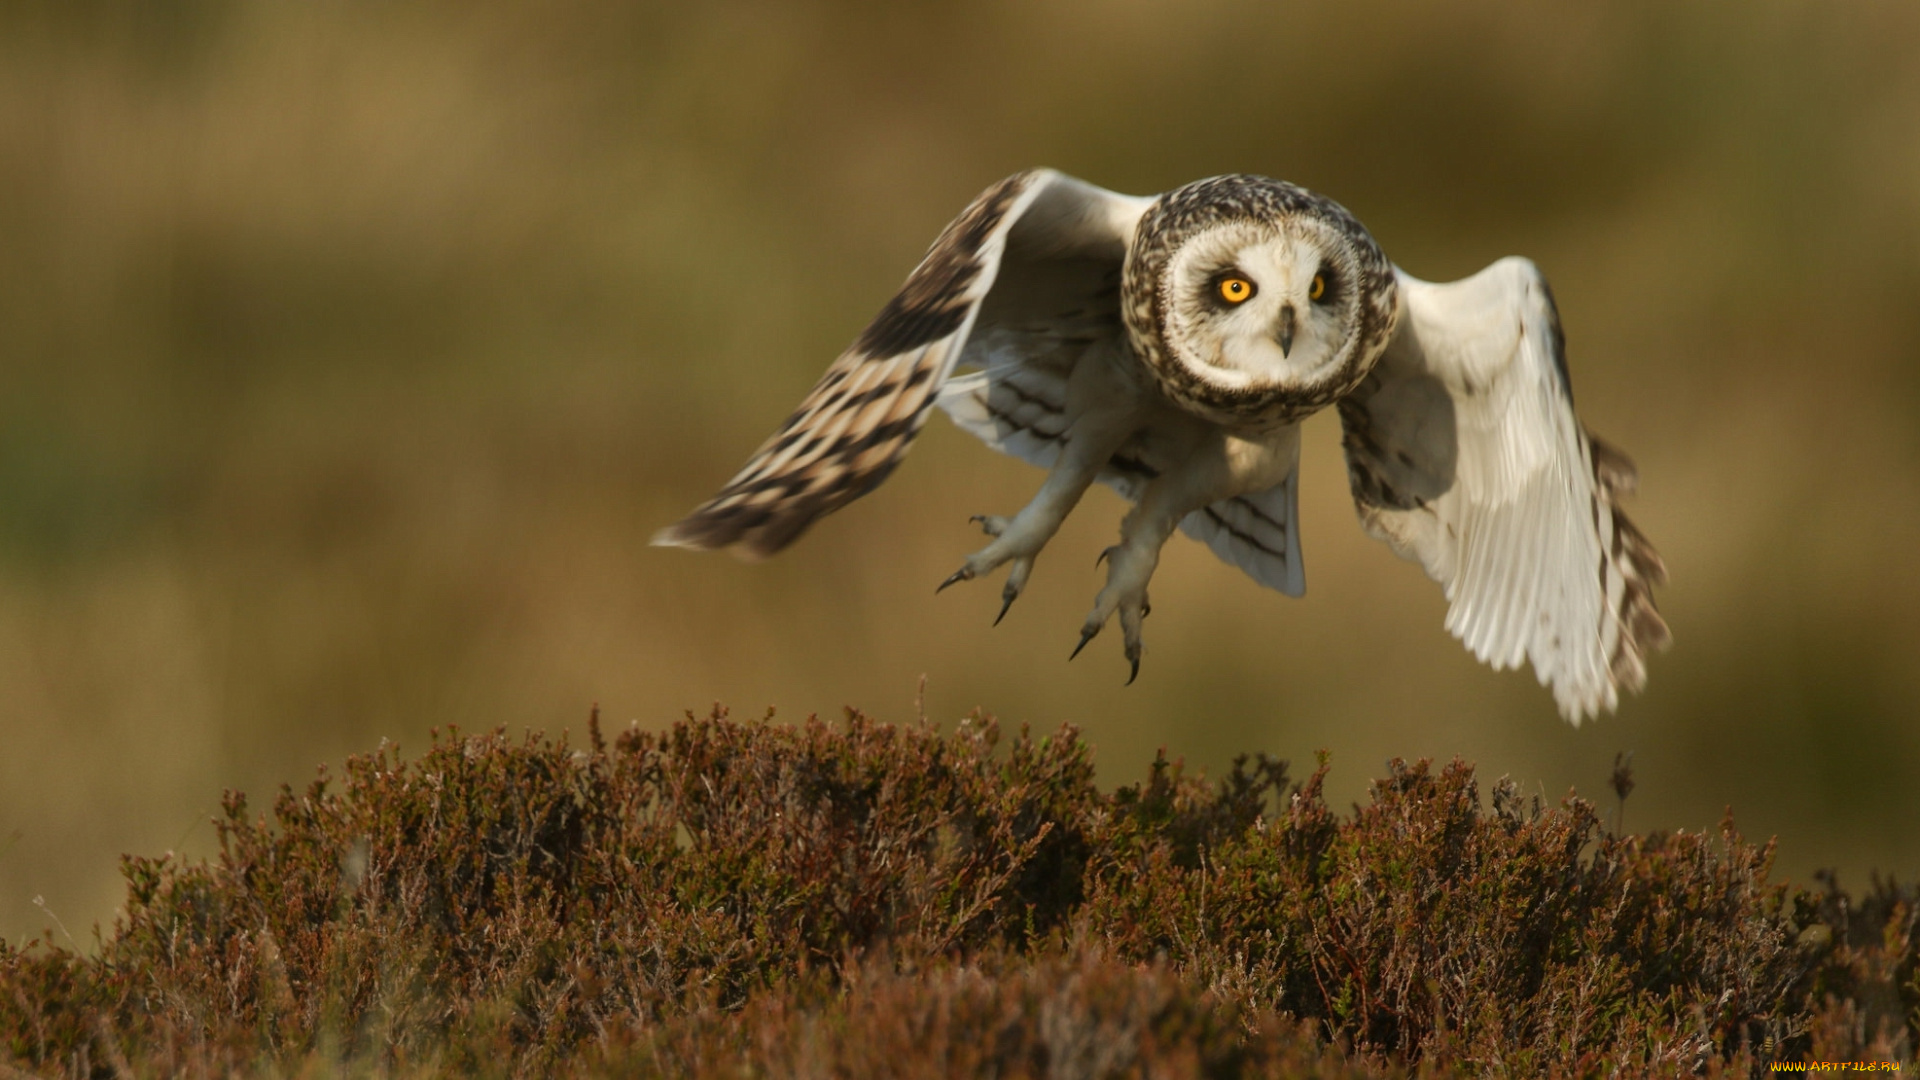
x=1032 y=247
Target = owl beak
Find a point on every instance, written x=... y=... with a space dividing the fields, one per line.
x=1286 y=330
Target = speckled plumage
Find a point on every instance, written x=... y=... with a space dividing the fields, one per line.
x=1107 y=352
x=1177 y=216
x=858 y=421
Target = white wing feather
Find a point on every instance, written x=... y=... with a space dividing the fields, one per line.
x=1466 y=457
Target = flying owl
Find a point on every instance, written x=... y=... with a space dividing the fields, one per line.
x=1169 y=347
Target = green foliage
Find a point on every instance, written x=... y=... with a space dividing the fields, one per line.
x=727 y=898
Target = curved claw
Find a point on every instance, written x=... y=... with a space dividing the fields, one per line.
x=1135 y=673
x=962 y=574
x=1086 y=635
x=990 y=524
x=1105 y=553
x=1016 y=584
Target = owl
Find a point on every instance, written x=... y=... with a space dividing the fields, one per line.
x=1170 y=347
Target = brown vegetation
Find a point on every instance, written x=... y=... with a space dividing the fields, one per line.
x=728 y=898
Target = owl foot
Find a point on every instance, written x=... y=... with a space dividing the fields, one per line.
x=1128 y=571
x=1010 y=546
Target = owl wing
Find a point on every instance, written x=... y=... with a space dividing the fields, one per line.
x=1030 y=267
x=1466 y=457
x=1257 y=532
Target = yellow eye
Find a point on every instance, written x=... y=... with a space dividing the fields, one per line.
x=1235 y=290
x=1319 y=287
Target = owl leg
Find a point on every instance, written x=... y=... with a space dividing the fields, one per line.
x=1017 y=540
x=1130 y=566
x=1217 y=466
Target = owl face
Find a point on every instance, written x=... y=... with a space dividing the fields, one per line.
x=1260 y=305
x=1254 y=301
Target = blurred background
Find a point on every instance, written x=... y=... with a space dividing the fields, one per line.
x=350 y=353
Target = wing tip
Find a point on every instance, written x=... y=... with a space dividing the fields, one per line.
x=685 y=534
x=675 y=535
x=1643 y=632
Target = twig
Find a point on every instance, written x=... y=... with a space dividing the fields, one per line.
x=1622 y=781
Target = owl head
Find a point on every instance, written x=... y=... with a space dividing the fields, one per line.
x=1254 y=301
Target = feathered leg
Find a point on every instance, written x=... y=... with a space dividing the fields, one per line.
x=1018 y=540
x=1219 y=466
x=1130 y=566
x=1106 y=413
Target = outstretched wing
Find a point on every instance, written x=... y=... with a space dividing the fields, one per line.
x=1024 y=267
x=1466 y=457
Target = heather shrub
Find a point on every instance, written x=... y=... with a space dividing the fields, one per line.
x=745 y=898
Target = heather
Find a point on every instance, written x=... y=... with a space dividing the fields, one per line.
x=729 y=898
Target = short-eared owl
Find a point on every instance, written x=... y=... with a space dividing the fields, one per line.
x=1169 y=347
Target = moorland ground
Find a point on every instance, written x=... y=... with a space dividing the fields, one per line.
x=727 y=898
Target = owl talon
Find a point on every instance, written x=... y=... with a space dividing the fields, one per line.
x=1125 y=595
x=1016 y=583
x=1130 y=616
x=1087 y=634
x=1012 y=548
x=991 y=524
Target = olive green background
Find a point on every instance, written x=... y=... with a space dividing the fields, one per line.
x=350 y=353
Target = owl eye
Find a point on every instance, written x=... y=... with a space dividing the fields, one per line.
x=1235 y=289
x=1318 y=289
